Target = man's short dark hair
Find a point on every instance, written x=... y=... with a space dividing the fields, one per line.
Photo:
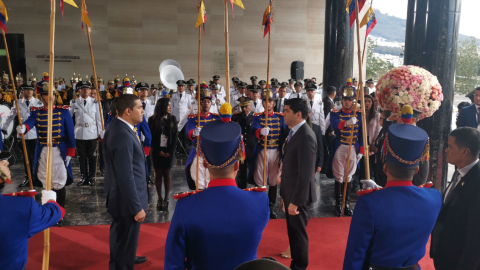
x=331 y=90
x=126 y=101
x=477 y=89
x=298 y=105
x=467 y=137
x=400 y=172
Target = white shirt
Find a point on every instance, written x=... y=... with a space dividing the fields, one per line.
x=257 y=106
x=297 y=95
x=318 y=115
x=281 y=104
x=128 y=124
x=236 y=104
x=216 y=107
x=149 y=108
x=87 y=118
x=462 y=172
x=25 y=113
x=192 y=110
x=180 y=106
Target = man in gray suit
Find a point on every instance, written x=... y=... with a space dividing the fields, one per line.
x=298 y=178
x=125 y=185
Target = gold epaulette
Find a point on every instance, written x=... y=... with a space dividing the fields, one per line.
x=181 y=195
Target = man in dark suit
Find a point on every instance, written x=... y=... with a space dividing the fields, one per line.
x=281 y=97
x=456 y=235
x=125 y=185
x=469 y=117
x=298 y=178
x=328 y=106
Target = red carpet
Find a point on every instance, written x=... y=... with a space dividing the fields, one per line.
x=86 y=247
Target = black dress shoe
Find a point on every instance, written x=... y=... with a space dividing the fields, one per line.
x=24 y=184
x=60 y=223
x=140 y=260
x=83 y=183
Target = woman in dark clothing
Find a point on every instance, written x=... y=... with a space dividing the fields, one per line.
x=380 y=176
x=164 y=137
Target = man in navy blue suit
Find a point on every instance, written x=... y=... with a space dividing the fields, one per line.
x=469 y=116
x=391 y=226
x=221 y=226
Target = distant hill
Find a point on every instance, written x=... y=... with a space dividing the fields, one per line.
x=393 y=28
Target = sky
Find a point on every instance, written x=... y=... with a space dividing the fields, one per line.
x=468 y=17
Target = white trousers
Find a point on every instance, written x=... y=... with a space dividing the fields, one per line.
x=273 y=167
x=59 y=171
x=203 y=173
x=340 y=161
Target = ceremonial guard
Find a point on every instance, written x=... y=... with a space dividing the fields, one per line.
x=118 y=82
x=273 y=130
x=193 y=132
x=74 y=81
x=217 y=99
x=391 y=226
x=133 y=83
x=32 y=80
x=242 y=87
x=231 y=220
x=257 y=106
x=299 y=92
x=315 y=105
x=63 y=142
x=66 y=93
x=88 y=126
x=348 y=131
x=281 y=97
x=244 y=119
x=181 y=102
x=25 y=104
x=221 y=89
x=18 y=83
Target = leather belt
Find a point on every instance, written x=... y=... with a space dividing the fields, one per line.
x=411 y=267
x=270 y=142
x=54 y=140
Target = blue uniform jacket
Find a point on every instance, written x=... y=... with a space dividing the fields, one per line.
x=218 y=228
x=62 y=127
x=191 y=125
x=468 y=117
x=391 y=227
x=22 y=218
x=275 y=139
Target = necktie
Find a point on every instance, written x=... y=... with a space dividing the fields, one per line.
x=136 y=134
x=144 y=105
x=478 y=115
x=311 y=103
x=84 y=102
x=455 y=178
x=290 y=134
x=27 y=102
x=180 y=96
x=255 y=104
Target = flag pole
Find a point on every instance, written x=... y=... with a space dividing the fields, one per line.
x=25 y=154
x=362 y=98
x=46 y=245
x=227 y=56
x=267 y=100
x=198 y=92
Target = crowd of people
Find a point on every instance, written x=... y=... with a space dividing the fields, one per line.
x=283 y=134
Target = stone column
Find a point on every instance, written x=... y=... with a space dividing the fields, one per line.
x=339 y=46
x=431 y=42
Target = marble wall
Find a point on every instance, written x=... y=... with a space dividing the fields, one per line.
x=134 y=36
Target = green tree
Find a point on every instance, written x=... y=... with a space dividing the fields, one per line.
x=376 y=67
x=468 y=66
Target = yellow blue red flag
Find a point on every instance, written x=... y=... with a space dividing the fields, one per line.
x=202 y=16
x=238 y=3
x=70 y=2
x=85 y=19
x=369 y=20
x=351 y=9
x=3 y=17
x=267 y=19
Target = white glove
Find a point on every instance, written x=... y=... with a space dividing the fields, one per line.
x=265 y=131
x=67 y=160
x=21 y=129
x=352 y=121
x=196 y=131
x=359 y=157
x=48 y=195
x=102 y=134
x=369 y=184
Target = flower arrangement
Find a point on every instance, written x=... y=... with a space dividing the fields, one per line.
x=409 y=85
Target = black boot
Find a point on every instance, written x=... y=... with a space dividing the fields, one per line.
x=83 y=172
x=61 y=197
x=272 y=197
x=92 y=169
x=25 y=183
x=338 y=199
x=348 y=210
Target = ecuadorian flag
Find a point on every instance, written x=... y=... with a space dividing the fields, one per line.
x=369 y=20
x=3 y=17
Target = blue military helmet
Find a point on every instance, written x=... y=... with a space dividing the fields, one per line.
x=221 y=144
x=83 y=84
x=42 y=87
x=406 y=145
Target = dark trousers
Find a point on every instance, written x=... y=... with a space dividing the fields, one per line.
x=183 y=138
x=31 y=146
x=86 y=148
x=100 y=157
x=242 y=174
x=123 y=243
x=297 y=235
